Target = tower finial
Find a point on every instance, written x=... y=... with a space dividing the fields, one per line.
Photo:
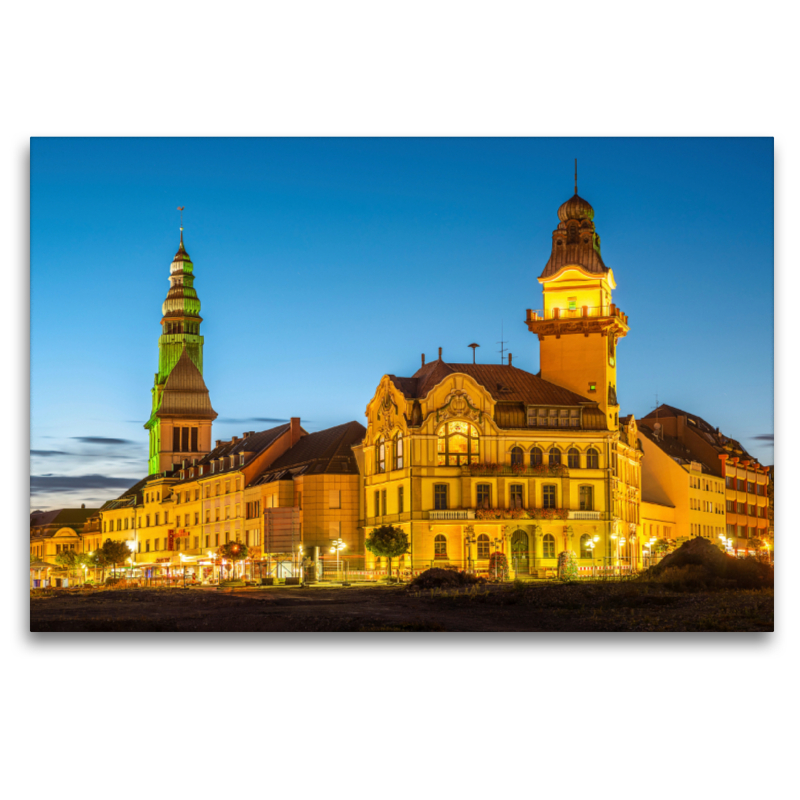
x=576 y=176
x=180 y=208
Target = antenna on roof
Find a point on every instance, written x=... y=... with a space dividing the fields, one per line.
x=473 y=346
x=502 y=344
x=657 y=424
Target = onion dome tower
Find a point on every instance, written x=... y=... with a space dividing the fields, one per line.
x=579 y=326
x=181 y=415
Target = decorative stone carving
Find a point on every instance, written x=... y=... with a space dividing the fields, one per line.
x=458 y=404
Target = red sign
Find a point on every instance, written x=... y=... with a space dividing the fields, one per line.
x=171 y=540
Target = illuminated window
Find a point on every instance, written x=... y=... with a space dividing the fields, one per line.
x=516 y=455
x=549 y=496
x=484 y=495
x=592 y=386
x=397 y=451
x=586 y=551
x=554 y=457
x=483 y=546
x=549 y=546
x=573 y=303
x=586 y=496
x=440 y=546
x=458 y=444
x=440 y=496
x=380 y=454
x=516 y=495
x=536 y=456
x=592 y=459
x=573 y=458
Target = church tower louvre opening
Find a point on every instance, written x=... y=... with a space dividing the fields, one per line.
x=579 y=326
x=181 y=413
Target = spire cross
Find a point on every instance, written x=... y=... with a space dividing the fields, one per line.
x=180 y=208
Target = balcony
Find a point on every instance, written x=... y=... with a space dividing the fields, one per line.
x=461 y=513
x=577 y=515
x=539 y=314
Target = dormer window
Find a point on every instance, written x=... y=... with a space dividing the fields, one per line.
x=241 y=459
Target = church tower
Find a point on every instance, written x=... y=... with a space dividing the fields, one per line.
x=181 y=415
x=579 y=326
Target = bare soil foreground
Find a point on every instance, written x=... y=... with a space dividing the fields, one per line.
x=534 y=606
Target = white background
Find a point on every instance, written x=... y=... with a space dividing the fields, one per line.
x=466 y=715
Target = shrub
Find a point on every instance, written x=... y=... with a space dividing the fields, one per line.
x=437 y=578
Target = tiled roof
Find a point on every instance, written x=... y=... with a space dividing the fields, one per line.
x=61 y=517
x=327 y=451
x=185 y=392
x=254 y=443
x=505 y=383
x=674 y=449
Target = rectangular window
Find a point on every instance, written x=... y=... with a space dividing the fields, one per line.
x=516 y=495
x=400 y=500
x=751 y=510
x=383 y=502
x=147 y=546
x=194 y=440
x=147 y=520
x=216 y=515
x=741 y=508
x=563 y=418
x=334 y=498
x=440 y=496
x=750 y=487
x=227 y=537
x=573 y=303
x=208 y=539
x=176 y=440
x=586 y=494
x=216 y=540
x=574 y=418
x=377 y=504
x=157 y=544
x=484 y=495
x=184 y=440
x=549 y=496
x=157 y=519
x=740 y=485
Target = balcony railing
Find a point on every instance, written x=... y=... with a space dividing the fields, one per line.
x=585 y=515
x=581 y=312
x=463 y=513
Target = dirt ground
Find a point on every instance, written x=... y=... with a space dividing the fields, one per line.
x=505 y=607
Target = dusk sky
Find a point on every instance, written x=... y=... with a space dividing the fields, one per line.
x=323 y=264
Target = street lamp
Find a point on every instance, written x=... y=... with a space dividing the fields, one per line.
x=469 y=539
x=337 y=545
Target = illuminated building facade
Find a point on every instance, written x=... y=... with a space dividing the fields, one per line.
x=472 y=459
x=728 y=490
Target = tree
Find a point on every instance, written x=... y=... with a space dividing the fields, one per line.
x=114 y=553
x=388 y=542
x=69 y=559
x=233 y=551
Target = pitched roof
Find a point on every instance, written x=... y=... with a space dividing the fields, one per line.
x=677 y=451
x=328 y=451
x=505 y=383
x=254 y=443
x=185 y=391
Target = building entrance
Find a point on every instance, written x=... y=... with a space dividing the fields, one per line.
x=519 y=553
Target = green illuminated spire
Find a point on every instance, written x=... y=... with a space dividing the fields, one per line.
x=180 y=333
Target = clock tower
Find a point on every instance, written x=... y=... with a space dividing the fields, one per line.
x=579 y=326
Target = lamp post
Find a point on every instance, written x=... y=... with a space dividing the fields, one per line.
x=497 y=542
x=469 y=540
x=337 y=545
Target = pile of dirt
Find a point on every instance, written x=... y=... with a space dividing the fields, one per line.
x=437 y=578
x=698 y=564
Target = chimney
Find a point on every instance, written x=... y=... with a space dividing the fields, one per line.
x=440 y=354
x=423 y=359
x=509 y=359
x=234 y=439
x=217 y=442
x=83 y=505
x=295 y=430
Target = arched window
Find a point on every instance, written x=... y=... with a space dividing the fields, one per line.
x=516 y=455
x=549 y=546
x=440 y=546
x=380 y=455
x=592 y=459
x=536 y=456
x=459 y=444
x=554 y=457
x=483 y=546
x=573 y=458
x=586 y=549
x=397 y=451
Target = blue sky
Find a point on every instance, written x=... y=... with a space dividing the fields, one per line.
x=323 y=264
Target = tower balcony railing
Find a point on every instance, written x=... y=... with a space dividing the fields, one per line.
x=581 y=312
